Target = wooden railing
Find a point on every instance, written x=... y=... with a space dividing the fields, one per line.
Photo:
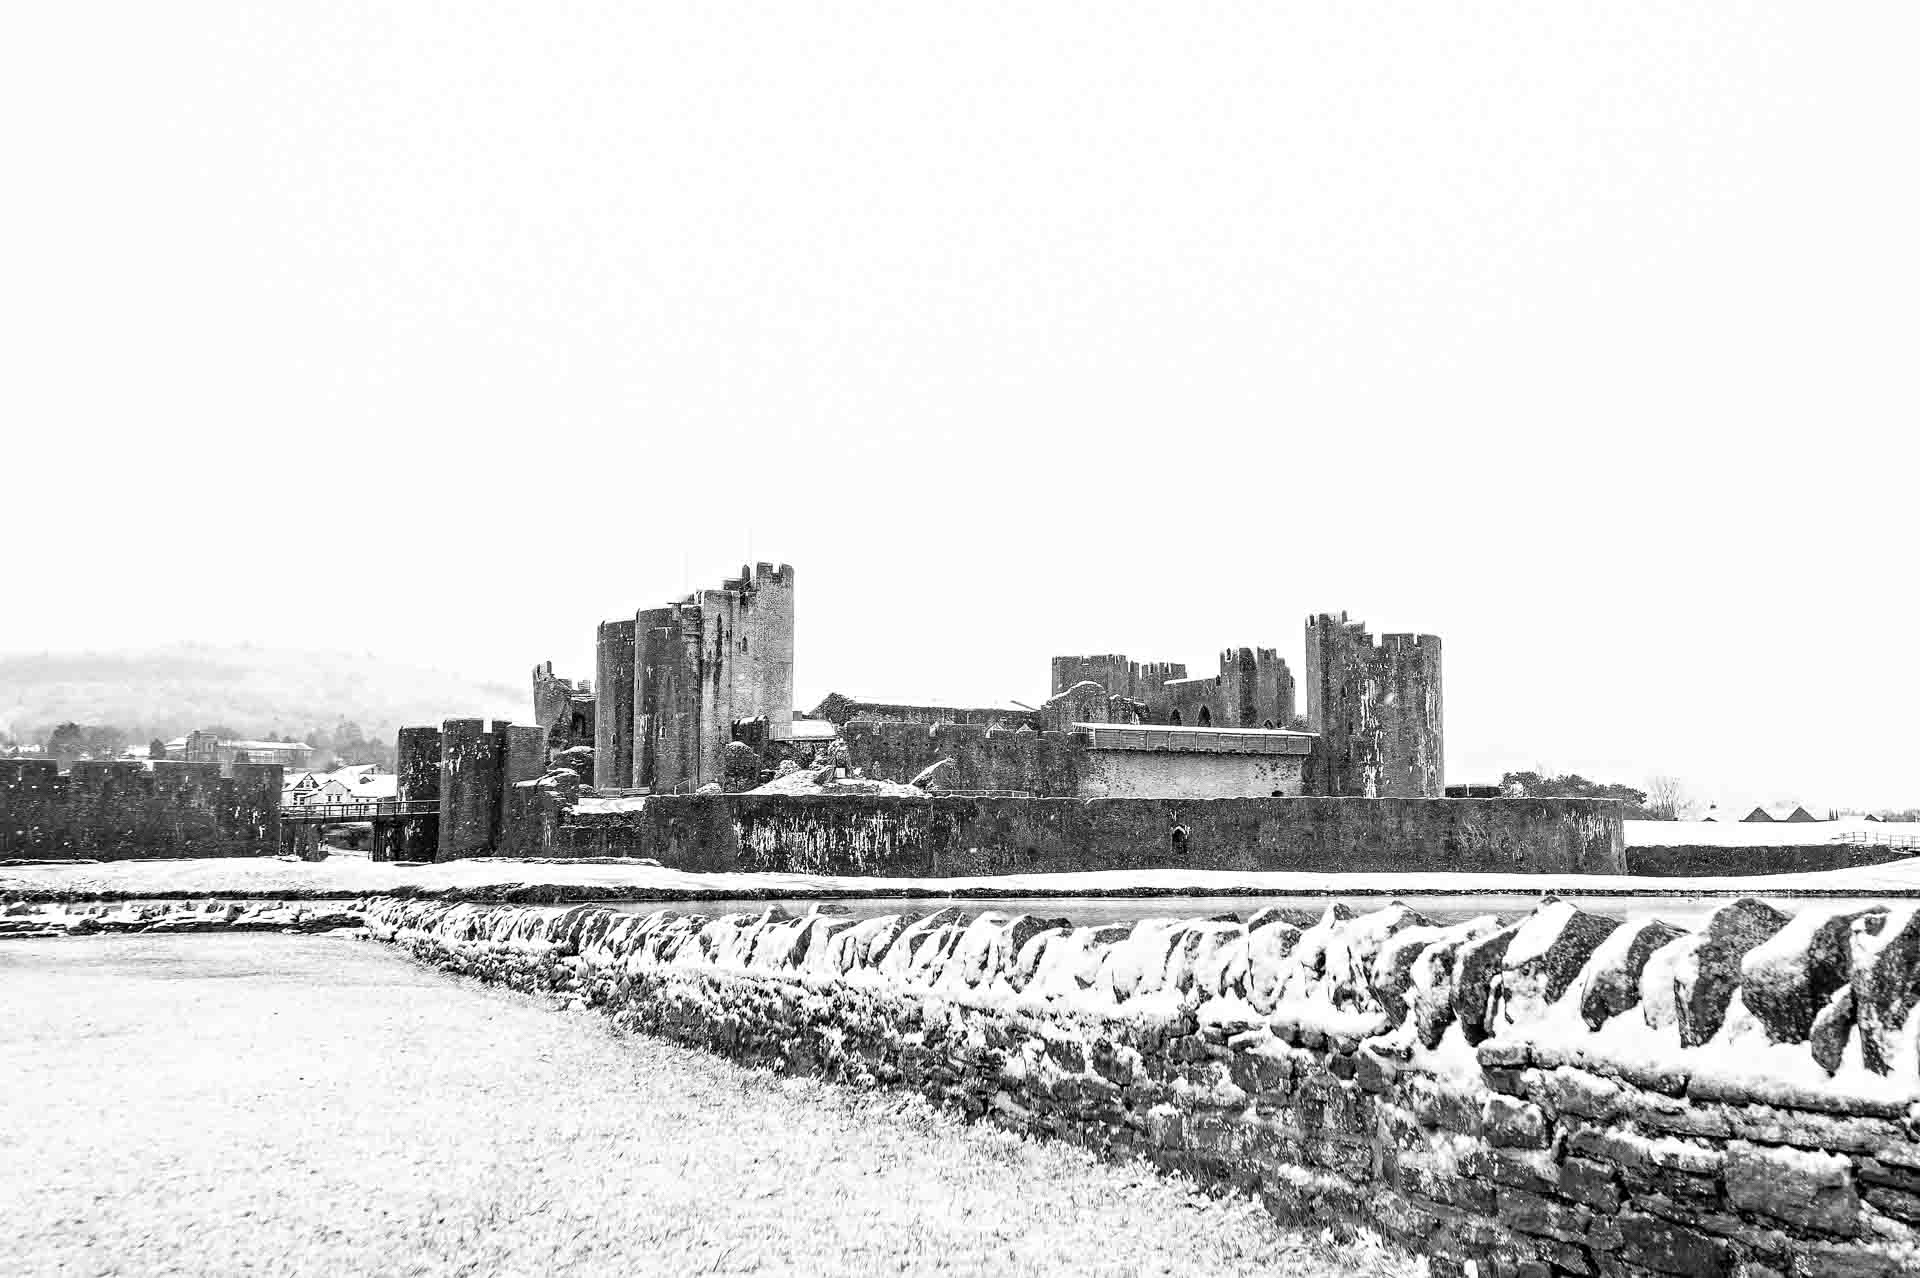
x=1874 y=838
x=359 y=810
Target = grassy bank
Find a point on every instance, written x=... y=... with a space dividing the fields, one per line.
x=312 y=1105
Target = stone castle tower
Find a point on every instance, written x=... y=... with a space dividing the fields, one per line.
x=1378 y=710
x=673 y=681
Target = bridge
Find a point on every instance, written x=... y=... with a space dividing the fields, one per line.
x=358 y=810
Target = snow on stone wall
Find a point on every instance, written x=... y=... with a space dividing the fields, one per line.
x=1561 y=1095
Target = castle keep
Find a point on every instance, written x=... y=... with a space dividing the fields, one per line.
x=675 y=681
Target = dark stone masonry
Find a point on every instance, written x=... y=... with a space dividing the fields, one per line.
x=1440 y=1084
x=121 y=811
x=894 y=837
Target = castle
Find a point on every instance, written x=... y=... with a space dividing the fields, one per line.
x=675 y=686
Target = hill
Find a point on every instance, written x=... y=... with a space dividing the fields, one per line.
x=167 y=691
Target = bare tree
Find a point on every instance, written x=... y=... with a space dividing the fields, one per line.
x=1667 y=798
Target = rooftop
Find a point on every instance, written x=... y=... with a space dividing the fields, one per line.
x=1144 y=736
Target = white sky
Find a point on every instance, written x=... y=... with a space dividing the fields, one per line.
x=1578 y=334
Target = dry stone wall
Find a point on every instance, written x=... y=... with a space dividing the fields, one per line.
x=1560 y=1095
x=25 y=921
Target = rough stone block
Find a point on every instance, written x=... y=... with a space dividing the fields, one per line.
x=1897 y=1203
x=1536 y=1214
x=1575 y=1091
x=1787 y=980
x=1513 y=1123
x=1828 y=1036
x=1591 y=1183
x=1256 y=1072
x=1671 y=1249
x=1610 y=982
x=1801 y=1187
x=1886 y=984
x=1547 y=953
x=1475 y=966
x=1845 y=1260
x=1447 y=1108
x=1705 y=968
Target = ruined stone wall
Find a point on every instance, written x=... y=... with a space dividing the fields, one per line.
x=1190 y=703
x=1256 y=689
x=1562 y=1095
x=1378 y=710
x=935 y=837
x=1135 y=680
x=840 y=710
x=121 y=811
x=1083 y=702
x=563 y=710
x=1253 y=689
x=615 y=677
x=1040 y=763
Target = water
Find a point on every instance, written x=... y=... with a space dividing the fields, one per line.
x=1685 y=911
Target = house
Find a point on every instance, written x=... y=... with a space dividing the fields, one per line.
x=1796 y=814
x=298 y=789
x=205 y=747
x=330 y=791
x=361 y=783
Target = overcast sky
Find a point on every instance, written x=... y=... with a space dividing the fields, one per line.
x=1581 y=335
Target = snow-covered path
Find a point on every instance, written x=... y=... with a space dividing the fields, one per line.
x=351 y=876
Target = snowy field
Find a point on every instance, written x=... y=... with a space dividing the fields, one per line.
x=268 y=1104
x=353 y=876
x=1763 y=834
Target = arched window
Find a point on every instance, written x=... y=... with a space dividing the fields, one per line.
x=1267 y=724
x=1206 y=717
x=1175 y=720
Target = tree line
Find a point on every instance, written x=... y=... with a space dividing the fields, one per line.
x=345 y=745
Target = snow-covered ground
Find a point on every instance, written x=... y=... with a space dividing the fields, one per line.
x=312 y=1106
x=1763 y=834
x=350 y=876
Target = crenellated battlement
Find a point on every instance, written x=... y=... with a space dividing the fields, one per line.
x=761 y=576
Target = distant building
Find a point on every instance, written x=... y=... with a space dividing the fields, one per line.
x=358 y=784
x=205 y=747
x=1796 y=814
